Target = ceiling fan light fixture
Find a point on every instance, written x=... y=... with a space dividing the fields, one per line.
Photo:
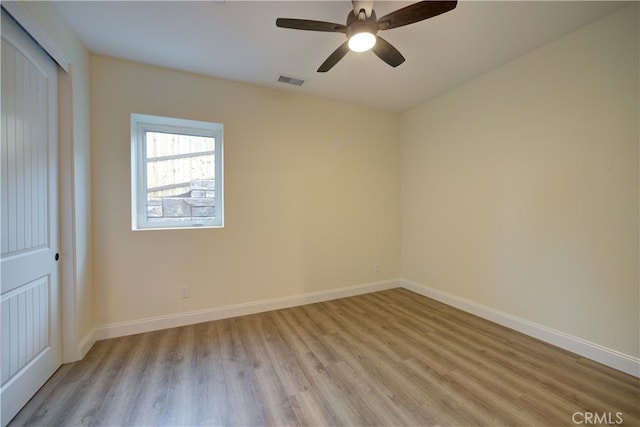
x=361 y=32
x=362 y=41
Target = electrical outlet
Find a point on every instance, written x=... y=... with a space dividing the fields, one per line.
x=376 y=268
x=184 y=292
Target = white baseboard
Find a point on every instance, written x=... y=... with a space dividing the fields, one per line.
x=86 y=343
x=78 y=350
x=606 y=356
x=182 y=319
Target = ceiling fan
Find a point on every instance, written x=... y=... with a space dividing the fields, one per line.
x=362 y=27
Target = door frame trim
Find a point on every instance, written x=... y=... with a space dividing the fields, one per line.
x=37 y=33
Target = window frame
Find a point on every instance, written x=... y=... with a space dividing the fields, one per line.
x=142 y=123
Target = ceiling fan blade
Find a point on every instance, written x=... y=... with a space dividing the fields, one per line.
x=389 y=54
x=309 y=25
x=415 y=13
x=333 y=59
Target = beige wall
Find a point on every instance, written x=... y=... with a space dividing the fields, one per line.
x=520 y=188
x=74 y=111
x=311 y=195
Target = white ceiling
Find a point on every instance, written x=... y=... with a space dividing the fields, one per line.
x=239 y=40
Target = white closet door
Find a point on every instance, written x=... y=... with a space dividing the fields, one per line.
x=30 y=324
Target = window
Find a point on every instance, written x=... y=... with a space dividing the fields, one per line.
x=176 y=173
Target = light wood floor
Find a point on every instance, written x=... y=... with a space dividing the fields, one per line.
x=390 y=358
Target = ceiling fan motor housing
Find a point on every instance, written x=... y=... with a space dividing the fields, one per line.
x=361 y=24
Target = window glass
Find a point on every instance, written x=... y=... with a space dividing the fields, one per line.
x=176 y=173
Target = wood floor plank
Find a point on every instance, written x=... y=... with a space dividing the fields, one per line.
x=389 y=358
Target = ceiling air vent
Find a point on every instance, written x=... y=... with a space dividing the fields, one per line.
x=290 y=80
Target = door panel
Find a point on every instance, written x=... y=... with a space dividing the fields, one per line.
x=29 y=298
